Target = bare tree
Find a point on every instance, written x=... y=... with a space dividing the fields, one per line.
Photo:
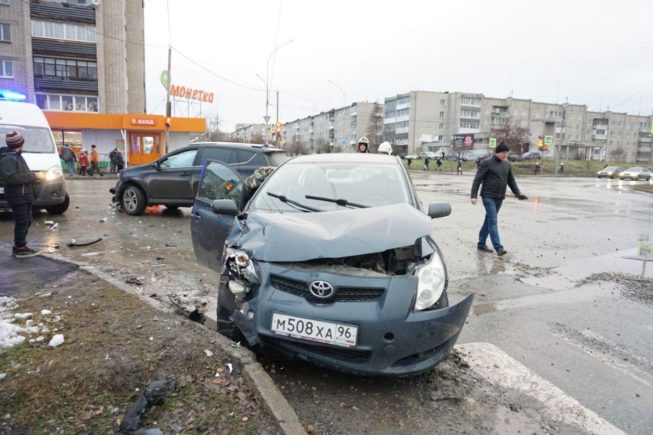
x=213 y=132
x=296 y=149
x=257 y=138
x=515 y=137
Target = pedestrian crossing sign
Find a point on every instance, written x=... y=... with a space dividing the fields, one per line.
x=492 y=143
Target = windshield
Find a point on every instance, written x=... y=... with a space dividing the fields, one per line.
x=37 y=139
x=367 y=184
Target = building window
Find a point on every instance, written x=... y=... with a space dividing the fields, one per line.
x=441 y=114
x=71 y=103
x=442 y=102
x=5 y=32
x=6 y=69
x=4 y=2
x=470 y=124
x=60 y=30
x=65 y=68
x=441 y=126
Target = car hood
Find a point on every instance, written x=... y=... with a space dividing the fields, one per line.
x=293 y=237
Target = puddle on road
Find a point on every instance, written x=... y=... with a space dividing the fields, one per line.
x=571 y=272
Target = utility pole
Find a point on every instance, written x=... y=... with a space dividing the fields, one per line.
x=559 y=142
x=168 y=105
x=277 y=133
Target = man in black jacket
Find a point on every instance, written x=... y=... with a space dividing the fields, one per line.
x=495 y=174
x=18 y=183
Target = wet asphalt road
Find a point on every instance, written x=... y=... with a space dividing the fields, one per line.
x=592 y=338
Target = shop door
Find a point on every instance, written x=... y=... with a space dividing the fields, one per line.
x=144 y=147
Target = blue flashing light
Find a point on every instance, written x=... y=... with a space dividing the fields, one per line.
x=6 y=94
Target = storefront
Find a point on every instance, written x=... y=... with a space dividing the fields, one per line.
x=140 y=138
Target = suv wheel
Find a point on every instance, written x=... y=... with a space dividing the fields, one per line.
x=60 y=208
x=133 y=200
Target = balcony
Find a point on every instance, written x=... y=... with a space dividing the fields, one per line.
x=57 y=84
x=79 y=50
x=62 y=12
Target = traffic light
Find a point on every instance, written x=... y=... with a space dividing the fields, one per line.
x=278 y=128
x=168 y=123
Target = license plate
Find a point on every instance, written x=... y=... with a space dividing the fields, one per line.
x=314 y=330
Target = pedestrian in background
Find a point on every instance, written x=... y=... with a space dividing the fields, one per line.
x=410 y=162
x=83 y=162
x=438 y=163
x=18 y=183
x=112 y=161
x=363 y=145
x=95 y=159
x=538 y=168
x=120 y=161
x=68 y=156
x=494 y=173
x=459 y=167
x=562 y=167
x=426 y=163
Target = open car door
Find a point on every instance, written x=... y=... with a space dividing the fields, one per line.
x=209 y=229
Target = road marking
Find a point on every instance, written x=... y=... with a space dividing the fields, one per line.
x=613 y=360
x=499 y=368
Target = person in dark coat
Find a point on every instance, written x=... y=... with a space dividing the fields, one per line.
x=112 y=160
x=120 y=161
x=495 y=173
x=68 y=156
x=18 y=182
x=459 y=166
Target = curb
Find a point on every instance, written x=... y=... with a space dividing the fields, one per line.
x=253 y=372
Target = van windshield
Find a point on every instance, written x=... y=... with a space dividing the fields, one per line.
x=37 y=139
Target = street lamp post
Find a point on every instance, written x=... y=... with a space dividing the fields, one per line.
x=267 y=87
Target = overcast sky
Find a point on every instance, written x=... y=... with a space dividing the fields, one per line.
x=594 y=52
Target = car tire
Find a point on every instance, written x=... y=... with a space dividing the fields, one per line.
x=132 y=200
x=59 y=208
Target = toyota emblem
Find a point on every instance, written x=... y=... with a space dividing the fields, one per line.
x=321 y=289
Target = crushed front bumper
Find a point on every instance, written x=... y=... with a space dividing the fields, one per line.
x=392 y=339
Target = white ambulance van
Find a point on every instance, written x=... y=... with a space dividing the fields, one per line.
x=39 y=152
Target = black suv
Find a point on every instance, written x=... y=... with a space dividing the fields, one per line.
x=172 y=180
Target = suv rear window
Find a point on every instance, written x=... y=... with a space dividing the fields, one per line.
x=220 y=154
x=276 y=158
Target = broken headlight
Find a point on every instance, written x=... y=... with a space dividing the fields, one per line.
x=432 y=279
x=241 y=271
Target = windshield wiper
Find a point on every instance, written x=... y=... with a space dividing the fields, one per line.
x=285 y=200
x=340 y=201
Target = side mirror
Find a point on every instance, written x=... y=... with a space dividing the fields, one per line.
x=157 y=165
x=225 y=206
x=438 y=210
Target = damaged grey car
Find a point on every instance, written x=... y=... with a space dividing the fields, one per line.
x=330 y=261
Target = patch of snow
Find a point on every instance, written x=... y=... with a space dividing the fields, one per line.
x=22 y=316
x=208 y=353
x=57 y=340
x=46 y=312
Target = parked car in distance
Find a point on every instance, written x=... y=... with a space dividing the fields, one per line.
x=172 y=180
x=473 y=155
x=411 y=157
x=636 y=173
x=331 y=261
x=428 y=155
x=531 y=155
x=610 y=172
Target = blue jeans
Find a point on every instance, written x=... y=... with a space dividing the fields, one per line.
x=23 y=218
x=71 y=167
x=492 y=206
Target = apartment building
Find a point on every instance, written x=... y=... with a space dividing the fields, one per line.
x=427 y=121
x=337 y=129
x=74 y=56
x=83 y=63
x=250 y=133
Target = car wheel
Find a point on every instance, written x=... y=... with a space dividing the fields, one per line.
x=60 y=208
x=133 y=200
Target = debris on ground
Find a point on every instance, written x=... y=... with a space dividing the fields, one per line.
x=135 y=280
x=154 y=394
x=103 y=220
x=83 y=242
x=56 y=341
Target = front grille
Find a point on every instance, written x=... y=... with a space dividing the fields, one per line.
x=342 y=294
